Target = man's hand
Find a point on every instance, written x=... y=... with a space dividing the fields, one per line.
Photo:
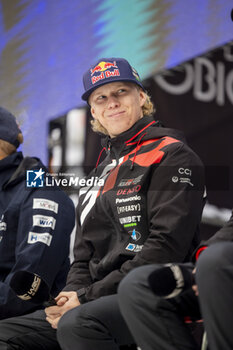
x=65 y=301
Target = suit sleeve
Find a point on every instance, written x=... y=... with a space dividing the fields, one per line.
x=45 y=222
x=174 y=207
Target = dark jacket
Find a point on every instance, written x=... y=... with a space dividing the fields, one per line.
x=35 y=227
x=224 y=234
x=147 y=211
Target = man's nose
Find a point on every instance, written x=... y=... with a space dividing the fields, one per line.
x=113 y=101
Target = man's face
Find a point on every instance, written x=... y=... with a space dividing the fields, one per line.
x=117 y=106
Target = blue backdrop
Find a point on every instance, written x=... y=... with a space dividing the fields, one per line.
x=46 y=45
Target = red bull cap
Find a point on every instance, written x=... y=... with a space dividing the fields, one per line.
x=109 y=70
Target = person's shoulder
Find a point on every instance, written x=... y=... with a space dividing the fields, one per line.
x=178 y=148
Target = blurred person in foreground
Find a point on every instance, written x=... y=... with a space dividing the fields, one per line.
x=35 y=223
x=158 y=322
x=146 y=210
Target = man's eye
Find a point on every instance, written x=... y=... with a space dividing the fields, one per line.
x=121 y=90
x=101 y=97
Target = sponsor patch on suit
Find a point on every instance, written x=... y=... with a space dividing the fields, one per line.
x=44 y=221
x=34 y=237
x=46 y=204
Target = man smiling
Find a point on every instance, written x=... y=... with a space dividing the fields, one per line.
x=146 y=212
x=117 y=106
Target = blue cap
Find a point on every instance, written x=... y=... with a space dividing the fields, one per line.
x=9 y=128
x=109 y=70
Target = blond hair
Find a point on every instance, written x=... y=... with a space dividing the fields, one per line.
x=147 y=109
x=7 y=148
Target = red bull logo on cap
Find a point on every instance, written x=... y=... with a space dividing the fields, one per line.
x=103 y=68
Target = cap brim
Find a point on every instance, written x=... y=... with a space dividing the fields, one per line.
x=87 y=93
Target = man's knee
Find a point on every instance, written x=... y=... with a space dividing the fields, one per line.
x=134 y=288
x=65 y=326
x=79 y=326
x=77 y=322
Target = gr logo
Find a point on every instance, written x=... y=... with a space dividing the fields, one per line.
x=185 y=171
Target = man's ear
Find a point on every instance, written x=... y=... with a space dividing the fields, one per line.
x=93 y=113
x=142 y=97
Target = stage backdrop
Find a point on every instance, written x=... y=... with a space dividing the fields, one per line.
x=46 y=45
x=197 y=97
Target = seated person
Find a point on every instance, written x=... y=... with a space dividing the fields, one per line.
x=35 y=223
x=214 y=279
x=142 y=213
x=158 y=322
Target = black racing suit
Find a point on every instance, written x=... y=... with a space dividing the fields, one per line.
x=147 y=211
x=143 y=206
